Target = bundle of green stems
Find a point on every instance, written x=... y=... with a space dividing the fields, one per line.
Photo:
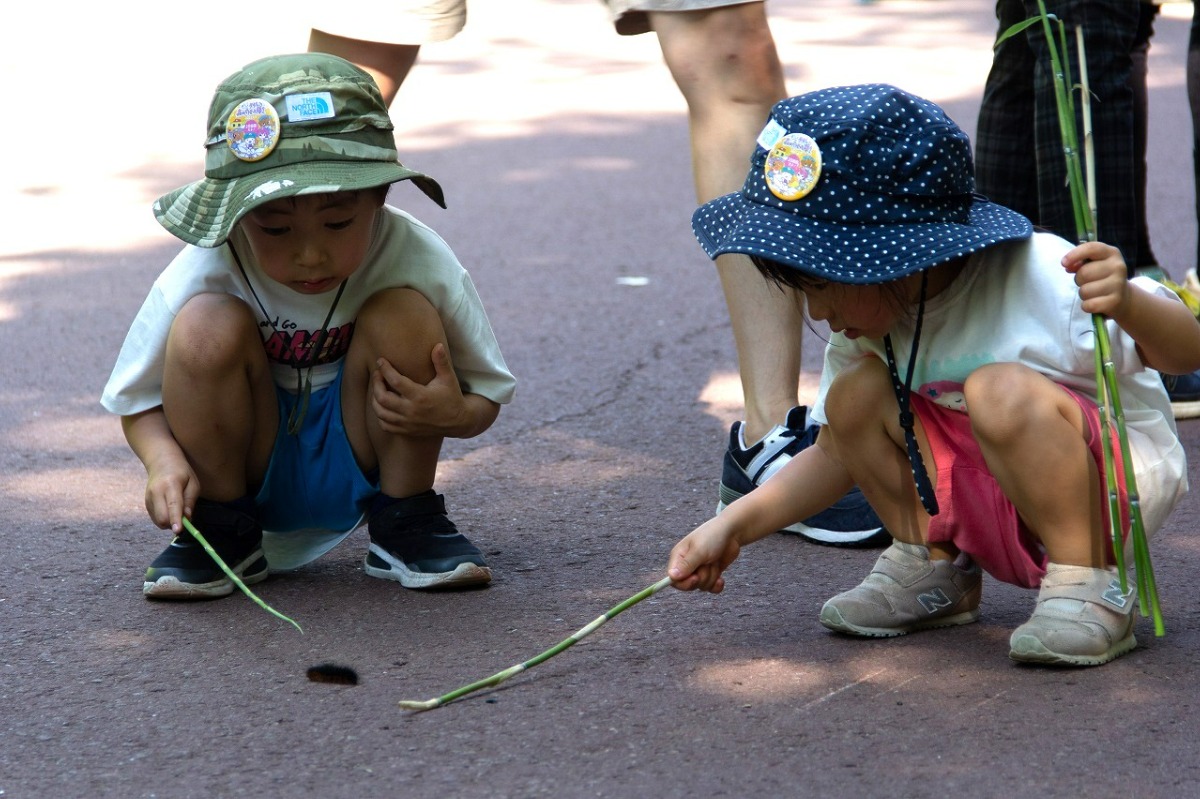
x=1081 y=181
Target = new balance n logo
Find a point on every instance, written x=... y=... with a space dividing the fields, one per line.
x=934 y=600
x=1113 y=595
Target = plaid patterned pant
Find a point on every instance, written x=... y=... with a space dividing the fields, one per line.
x=1019 y=153
x=1193 y=89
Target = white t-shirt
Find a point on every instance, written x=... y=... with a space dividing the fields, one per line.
x=1014 y=303
x=403 y=253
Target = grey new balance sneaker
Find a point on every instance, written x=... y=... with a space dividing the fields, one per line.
x=906 y=592
x=1083 y=618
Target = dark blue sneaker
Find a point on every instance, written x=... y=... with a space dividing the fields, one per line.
x=416 y=544
x=1184 y=392
x=185 y=571
x=850 y=522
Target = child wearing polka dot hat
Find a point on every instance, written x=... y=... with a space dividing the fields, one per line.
x=294 y=370
x=959 y=378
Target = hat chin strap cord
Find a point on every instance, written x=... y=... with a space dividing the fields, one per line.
x=303 y=387
x=903 y=392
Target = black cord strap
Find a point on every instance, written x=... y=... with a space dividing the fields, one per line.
x=303 y=387
x=903 y=392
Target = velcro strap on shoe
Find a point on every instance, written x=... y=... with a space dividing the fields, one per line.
x=1091 y=591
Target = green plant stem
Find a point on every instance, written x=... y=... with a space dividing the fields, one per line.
x=511 y=671
x=212 y=553
x=1108 y=396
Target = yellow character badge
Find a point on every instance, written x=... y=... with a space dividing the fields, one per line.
x=252 y=130
x=793 y=166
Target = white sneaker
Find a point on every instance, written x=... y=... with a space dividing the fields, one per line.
x=906 y=592
x=1082 y=619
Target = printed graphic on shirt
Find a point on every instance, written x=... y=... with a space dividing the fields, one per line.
x=290 y=346
x=946 y=393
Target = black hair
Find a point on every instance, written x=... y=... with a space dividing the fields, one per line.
x=787 y=277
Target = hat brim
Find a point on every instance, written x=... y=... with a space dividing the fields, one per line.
x=844 y=253
x=204 y=213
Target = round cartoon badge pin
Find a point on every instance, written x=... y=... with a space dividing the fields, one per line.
x=793 y=166
x=252 y=130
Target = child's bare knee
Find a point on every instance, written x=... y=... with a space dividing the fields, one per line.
x=861 y=392
x=212 y=330
x=399 y=323
x=999 y=392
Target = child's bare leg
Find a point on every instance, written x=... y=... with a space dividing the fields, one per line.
x=413 y=540
x=1033 y=437
x=912 y=586
x=865 y=429
x=218 y=396
x=1032 y=434
x=401 y=326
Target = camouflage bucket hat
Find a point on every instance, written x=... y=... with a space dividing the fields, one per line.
x=282 y=126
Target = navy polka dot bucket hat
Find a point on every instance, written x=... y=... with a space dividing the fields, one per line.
x=858 y=184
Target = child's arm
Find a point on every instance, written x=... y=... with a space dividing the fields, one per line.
x=811 y=482
x=437 y=408
x=1167 y=335
x=171 y=485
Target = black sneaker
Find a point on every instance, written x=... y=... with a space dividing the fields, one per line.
x=414 y=542
x=850 y=522
x=1184 y=392
x=185 y=571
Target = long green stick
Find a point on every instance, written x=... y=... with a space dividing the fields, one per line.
x=212 y=553
x=511 y=671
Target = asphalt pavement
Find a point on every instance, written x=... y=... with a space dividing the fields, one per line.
x=563 y=151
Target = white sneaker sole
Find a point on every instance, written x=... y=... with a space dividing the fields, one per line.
x=836 y=537
x=833 y=619
x=466 y=574
x=170 y=587
x=1028 y=649
x=1185 y=410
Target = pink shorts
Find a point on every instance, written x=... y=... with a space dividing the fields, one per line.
x=974 y=514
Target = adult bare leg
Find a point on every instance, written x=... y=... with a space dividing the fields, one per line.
x=726 y=66
x=389 y=64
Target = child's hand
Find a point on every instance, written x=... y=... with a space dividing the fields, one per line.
x=171 y=492
x=406 y=407
x=698 y=560
x=1102 y=277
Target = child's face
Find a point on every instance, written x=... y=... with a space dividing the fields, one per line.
x=866 y=311
x=312 y=243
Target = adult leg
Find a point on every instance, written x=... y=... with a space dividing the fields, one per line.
x=726 y=66
x=1193 y=90
x=389 y=64
x=1110 y=28
x=1141 y=115
x=1004 y=138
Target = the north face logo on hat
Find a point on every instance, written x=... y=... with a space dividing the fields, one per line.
x=306 y=107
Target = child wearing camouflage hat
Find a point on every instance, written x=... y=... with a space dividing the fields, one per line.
x=297 y=366
x=959 y=378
